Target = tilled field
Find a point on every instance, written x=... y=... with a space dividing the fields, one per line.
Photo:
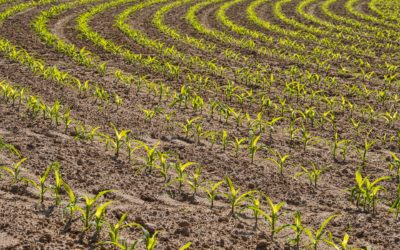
x=244 y=124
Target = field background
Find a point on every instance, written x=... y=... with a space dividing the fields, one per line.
x=314 y=83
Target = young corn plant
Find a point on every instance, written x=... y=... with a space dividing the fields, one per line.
x=67 y=120
x=253 y=147
x=395 y=207
x=151 y=156
x=131 y=148
x=211 y=191
x=181 y=174
x=149 y=115
x=187 y=127
x=298 y=229
x=292 y=134
x=279 y=160
x=114 y=234
x=237 y=143
x=212 y=136
x=273 y=215
x=102 y=68
x=99 y=216
x=71 y=207
x=340 y=145
x=356 y=125
x=365 y=192
x=312 y=174
x=150 y=240
x=163 y=166
x=315 y=237
x=255 y=207
x=234 y=196
x=306 y=137
x=363 y=152
x=82 y=133
x=9 y=147
x=88 y=211
x=58 y=182
x=14 y=171
x=196 y=181
x=395 y=165
x=41 y=186
x=117 y=100
x=343 y=244
x=199 y=132
x=224 y=139
x=168 y=119
x=271 y=125
x=120 y=137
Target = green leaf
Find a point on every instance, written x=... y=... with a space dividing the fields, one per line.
x=186 y=246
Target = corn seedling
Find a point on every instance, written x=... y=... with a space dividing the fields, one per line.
x=292 y=133
x=55 y=112
x=234 y=196
x=187 y=127
x=131 y=148
x=365 y=192
x=114 y=234
x=99 y=215
x=9 y=147
x=343 y=244
x=83 y=134
x=14 y=171
x=102 y=68
x=316 y=237
x=58 y=182
x=82 y=87
x=342 y=145
x=306 y=137
x=298 y=229
x=212 y=136
x=199 y=132
x=71 y=206
x=114 y=230
x=41 y=186
x=180 y=171
x=67 y=120
x=395 y=207
x=236 y=144
x=253 y=147
x=149 y=115
x=151 y=156
x=120 y=136
x=117 y=100
x=279 y=160
x=196 y=180
x=87 y=212
x=163 y=166
x=211 y=191
x=395 y=165
x=312 y=174
x=363 y=152
x=255 y=208
x=273 y=216
x=168 y=119
x=224 y=139
x=149 y=239
x=271 y=125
